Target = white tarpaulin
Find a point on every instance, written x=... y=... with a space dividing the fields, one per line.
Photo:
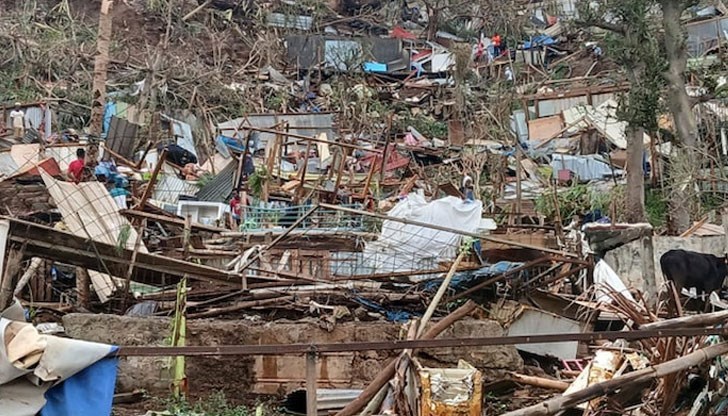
x=32 y=363
x=89 y=211
x=605 y=280
x=402 y=247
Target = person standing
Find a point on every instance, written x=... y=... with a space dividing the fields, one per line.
x=118 y=192
x=76 y=168
x=496 y=39
x=235 y=207
x=17 y=117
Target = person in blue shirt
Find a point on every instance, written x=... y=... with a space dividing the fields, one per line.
x=118 y=192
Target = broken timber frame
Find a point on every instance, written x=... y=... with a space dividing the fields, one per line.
x=425 y=342
x=45 y=242
x=311 y=139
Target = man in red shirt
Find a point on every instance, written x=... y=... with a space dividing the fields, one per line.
x=235 y=206
x=75 y=169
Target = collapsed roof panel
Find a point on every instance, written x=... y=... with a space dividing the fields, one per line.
x=342 y=54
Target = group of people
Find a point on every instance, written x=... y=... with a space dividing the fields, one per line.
x=79 y=171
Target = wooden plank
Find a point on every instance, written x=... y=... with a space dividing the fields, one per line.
x=48 y=243
x=173 y=220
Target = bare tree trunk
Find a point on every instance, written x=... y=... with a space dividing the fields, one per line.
x=682 y=112
x=101 y=65
x=635 y=176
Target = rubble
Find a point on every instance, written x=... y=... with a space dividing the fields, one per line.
x=363 y=174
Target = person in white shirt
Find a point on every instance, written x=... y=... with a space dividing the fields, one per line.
x=17 y=118
x=509 y=74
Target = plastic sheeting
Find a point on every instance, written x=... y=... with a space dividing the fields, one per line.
x=43 y=373
x=585 y=167
x=605 y=280
x=402 y=247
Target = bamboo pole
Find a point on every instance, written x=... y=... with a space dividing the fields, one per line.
x=150 y=186
x=440 y=293
x=635 y=378
x=29 y=273
x=705 y=319
x=541 y=382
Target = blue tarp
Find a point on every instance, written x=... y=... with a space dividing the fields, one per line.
x=394 y=316
x=538 y=41
x=109 y=111
x=463 y=279
x=232 y=143
x=87 y=393
x=375 y=67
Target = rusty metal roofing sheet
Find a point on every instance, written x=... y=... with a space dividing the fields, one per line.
x=220 y=188
x=121 y=138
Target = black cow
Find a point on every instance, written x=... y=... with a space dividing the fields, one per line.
x=687 y=269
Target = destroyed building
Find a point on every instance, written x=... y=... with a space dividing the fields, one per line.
x=360 y=207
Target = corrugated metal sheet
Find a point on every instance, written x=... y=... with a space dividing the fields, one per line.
x=221 y=187
x=7 y=164
x=306 y=124
x=169 y=187
x=121 y=137
x=89 y=211
x=306 y=51
x=182 y=134
x=290 y=22
x=705 y=35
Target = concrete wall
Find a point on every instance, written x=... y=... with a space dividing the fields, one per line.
x=627 y=261
x=273 y=374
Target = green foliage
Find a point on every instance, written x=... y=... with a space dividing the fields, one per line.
x=577 y=199
x=656 y=207
x=257 y=180
x=428 y=126
x=205 y=179
x=123 y=238
x=215 y=405
x=633 y=45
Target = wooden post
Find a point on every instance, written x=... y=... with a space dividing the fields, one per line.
x=519 y=172
x=101 y=65
x=648 y=269
x=299 y=192
x=311 y=381
x=7 y=285
x=724 y=217
x=150 y=186
x=130 y=270
x=4 y=234
x=83 y=287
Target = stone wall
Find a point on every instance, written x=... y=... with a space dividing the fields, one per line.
x=627 y=261
x=273 y=374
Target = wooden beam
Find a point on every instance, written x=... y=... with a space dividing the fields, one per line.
x=150 y=186
x=310 y=139
x=45 y=242
x=176 y=221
